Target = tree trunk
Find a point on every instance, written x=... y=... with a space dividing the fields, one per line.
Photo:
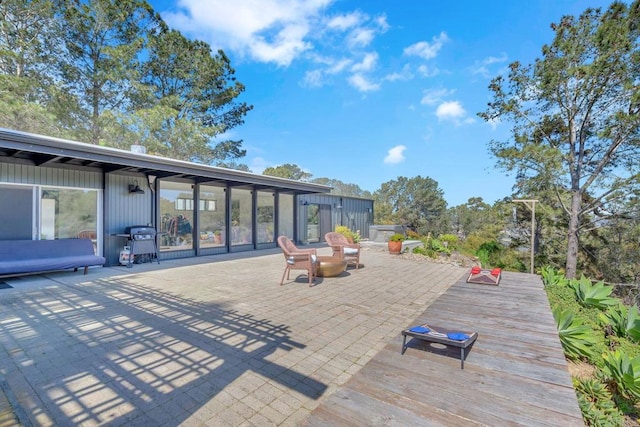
x=573 y=241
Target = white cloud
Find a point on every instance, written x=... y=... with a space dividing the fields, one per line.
x=283 y=31
x=404 y=74
x=344 y=22
x=339 y=66
x=450 y=110
x=313 y=78
x=433 y=96
x=395 y=155
x=426 y=50
x=426 y=71
x=360 y=37
x=284 y=48
x=266 y=30
x=368 y=63
x=494 y=123
x=481 y=67
x=362 y=83
x=454 y=112
x=381 y=21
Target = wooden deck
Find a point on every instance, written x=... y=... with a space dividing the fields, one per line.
x=514 y=374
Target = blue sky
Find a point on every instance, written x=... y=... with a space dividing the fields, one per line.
x=365 y=91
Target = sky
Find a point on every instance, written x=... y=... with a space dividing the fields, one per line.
x=366 y=91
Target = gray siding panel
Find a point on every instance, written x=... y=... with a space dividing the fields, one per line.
x=122 y=210
x=357 y=214
x=34 y=175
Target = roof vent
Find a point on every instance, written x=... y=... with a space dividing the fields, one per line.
x=140 y=149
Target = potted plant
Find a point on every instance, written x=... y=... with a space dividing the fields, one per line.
x=395 y=243
x=217 y=237
x=351 y=236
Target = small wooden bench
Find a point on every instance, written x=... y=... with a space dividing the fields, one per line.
x=37 y=256
x=440 y=335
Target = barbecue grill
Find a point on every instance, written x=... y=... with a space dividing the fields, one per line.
x=142 y=242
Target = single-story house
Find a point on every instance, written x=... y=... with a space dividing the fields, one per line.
x=53 y=188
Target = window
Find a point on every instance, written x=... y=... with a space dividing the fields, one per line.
x=265 y=217
x=68 y=213
x=241 y=206
x=176 y=216
x=213 y=229
x=18 y=220
x=285 y=215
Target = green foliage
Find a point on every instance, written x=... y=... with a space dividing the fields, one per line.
x=417 y=202
x=342 y=188
x=113 y=74
x=488 y=252
x=397 y=237
x=563 y=297
x=450 y=241
x=574 y=123
x=624 y=321
x=471 y=217
x=593 y=295
x=423 y=250
x=432 y=248
x=597 y=404
x=352 y=236
x=288 y=171
x=413 y=235
x=623 y=373
x=550 y=277
x=576 y=338
x=438 y=246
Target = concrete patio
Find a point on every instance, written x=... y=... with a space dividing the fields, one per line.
x=207 y=341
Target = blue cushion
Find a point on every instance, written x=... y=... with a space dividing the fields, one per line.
x=457 y=336
x=420 y=329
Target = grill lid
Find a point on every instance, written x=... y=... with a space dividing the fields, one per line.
x=140 y=229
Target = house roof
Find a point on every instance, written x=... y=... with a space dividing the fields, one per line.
x=39 y=150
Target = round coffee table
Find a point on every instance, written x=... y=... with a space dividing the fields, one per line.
x=329 y=266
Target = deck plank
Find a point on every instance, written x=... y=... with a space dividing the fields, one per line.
x=514 y=374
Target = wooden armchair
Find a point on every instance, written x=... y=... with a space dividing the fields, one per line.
x=298 y=259
x=349 y=252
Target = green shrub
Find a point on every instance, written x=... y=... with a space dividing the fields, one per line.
x=423 y=250
x=622 y=344
x=550 y=276
x=352 y=236
x=576 y=338
x=437 y=246
x=597 y=404
x=397 y=237
x=413 y=235
x=593 y=295
x=623 y=373
x=624 y=321
x=563 y=297
x=450 y=240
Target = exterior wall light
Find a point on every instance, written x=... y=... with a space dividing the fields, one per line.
x=135 y=188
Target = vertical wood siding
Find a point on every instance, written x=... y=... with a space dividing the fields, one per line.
x=123 y=209
x=35 y=175
x=357 y=214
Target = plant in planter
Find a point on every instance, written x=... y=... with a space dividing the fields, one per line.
x=352 y=236
x=395 y=243
x=217 y=236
